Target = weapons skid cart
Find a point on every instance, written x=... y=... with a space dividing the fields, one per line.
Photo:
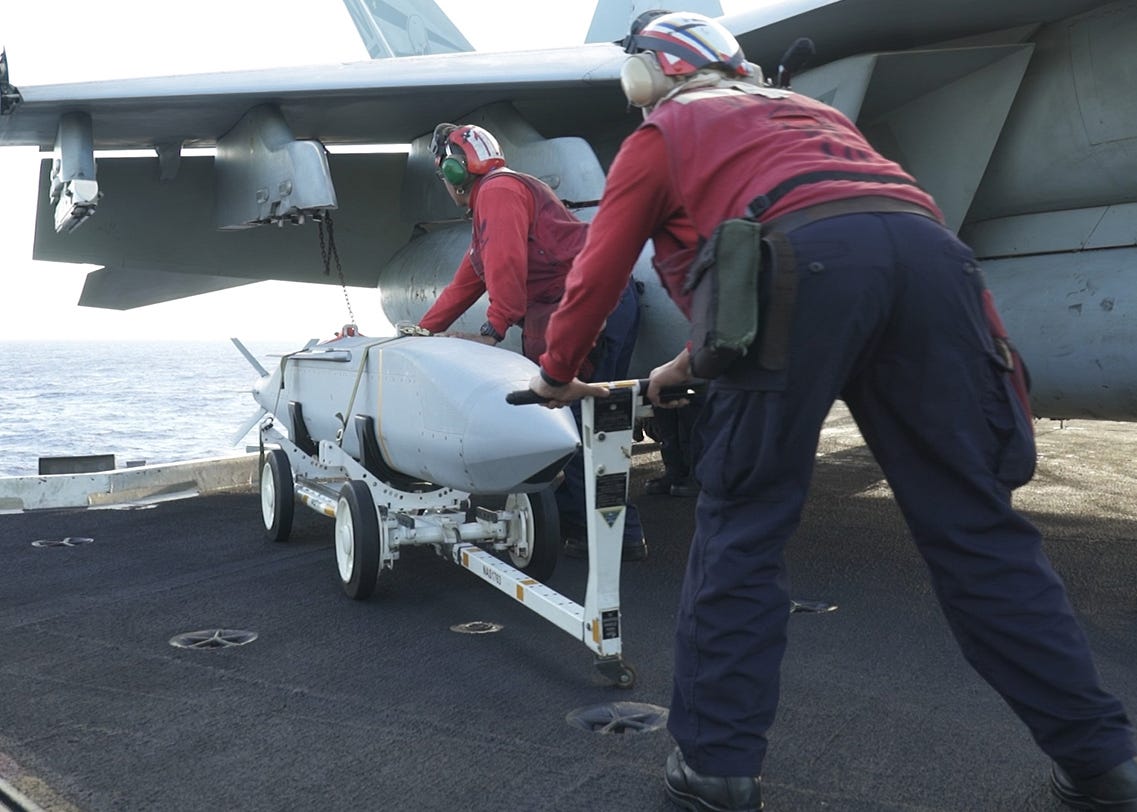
x=410 y=441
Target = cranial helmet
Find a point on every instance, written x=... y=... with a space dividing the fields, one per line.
x=677 y=45
x=463 y=152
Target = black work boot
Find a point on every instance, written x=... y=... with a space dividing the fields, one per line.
x=710 y=793
x=660 y=486
x=687 y=486
x=576 y=546
x=1115 y=791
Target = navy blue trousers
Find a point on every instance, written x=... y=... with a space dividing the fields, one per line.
x=889 y=318
x=673 y=429
x=613 y=357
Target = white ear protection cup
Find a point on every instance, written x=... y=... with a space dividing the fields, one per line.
x=643 y=81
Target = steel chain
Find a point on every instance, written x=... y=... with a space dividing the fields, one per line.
x=328 y=252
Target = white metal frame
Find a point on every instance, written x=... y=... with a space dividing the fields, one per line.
x=438 y=518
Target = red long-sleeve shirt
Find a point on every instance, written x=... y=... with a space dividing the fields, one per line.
x=697 y=160
x=638 y=202
x=521 y=248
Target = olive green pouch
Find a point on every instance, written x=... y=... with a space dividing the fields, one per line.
x=723 y=283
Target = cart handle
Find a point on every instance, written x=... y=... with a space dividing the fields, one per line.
x=522 y=397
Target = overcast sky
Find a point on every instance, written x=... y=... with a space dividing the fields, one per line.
x=79 y=40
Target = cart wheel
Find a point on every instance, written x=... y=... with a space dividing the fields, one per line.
x=617 y=671
x=538 y=533
x=625 y=678
x=357 y=540
x=278 y=498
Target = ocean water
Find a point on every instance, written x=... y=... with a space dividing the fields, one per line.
x=150 y=401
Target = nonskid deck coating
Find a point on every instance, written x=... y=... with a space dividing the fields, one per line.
x=339 y=705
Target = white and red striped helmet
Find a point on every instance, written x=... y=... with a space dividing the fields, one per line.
x=685 y=42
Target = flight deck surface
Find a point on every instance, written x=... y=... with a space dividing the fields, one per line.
x=345 y=705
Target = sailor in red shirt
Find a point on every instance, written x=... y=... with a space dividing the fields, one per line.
x=522 y=246
x=864 y=296
x=523 y=242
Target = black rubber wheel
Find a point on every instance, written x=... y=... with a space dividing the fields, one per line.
x=626 y=678
x=278 y=497
x=541 y=526
x=617 y=671
x=357 y=540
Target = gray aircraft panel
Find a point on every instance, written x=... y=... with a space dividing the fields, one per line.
x=127 y=288
x=1054 y=232
x=951 y=166
x=1070 y=140
x=849 y=27
x=168 y=226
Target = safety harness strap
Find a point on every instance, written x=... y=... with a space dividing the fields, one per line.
x=761 y=204
x=774 y=343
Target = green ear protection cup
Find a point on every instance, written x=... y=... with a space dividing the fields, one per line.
x=454 y=170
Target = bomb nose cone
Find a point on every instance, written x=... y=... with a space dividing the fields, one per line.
x=515 y=449
x=266 y=390
x=445 y=418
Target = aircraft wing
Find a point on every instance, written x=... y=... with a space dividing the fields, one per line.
x=377 y=101
x=383 y=101
x=172 y=215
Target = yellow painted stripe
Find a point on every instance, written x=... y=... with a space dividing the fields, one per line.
x=521 y=593
x=596 y=631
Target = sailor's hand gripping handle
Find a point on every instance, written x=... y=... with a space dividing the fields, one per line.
x=523 y=397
